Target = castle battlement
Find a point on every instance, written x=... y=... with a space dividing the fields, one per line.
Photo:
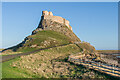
x=49 y=15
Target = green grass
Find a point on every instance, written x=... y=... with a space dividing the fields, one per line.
x=87 y=46
x=42 y=39
x=10 y=53
x=45 y=35
x=26 y=49
x=54 y=38
x=11 y=72
x=42 y=60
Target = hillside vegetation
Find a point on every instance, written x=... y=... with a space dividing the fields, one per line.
x=58 y=42
x=86 y=46
x=48 y=34
x=49 y=63
x=42 y=39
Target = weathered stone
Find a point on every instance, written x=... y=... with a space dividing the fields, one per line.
x=55 y=26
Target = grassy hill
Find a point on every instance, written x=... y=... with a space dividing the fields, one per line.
x=49 y=63
x=52 y=62
x=86 y=46
x=42 y=39
x=48 y=34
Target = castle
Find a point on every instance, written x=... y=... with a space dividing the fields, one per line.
x=49 y=15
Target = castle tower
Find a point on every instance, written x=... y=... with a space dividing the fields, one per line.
x=49 y=16
x=50 y=13
x=45 y=13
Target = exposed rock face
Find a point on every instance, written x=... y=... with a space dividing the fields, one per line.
x=56 y=23
x=55 y=26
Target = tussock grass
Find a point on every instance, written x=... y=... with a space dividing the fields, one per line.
x=42 y=39
x=86 y=46
x=49 y=63
x=47 y=35
x=34 y=65
x=11 y=72
x=41 y=63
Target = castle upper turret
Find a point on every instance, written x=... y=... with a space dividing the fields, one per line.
x=49 y=15
x=45 y=13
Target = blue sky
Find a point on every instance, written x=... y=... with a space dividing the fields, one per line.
x=59 y=0
x=93 y=22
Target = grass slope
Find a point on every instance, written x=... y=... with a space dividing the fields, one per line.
x=42 y=39
x=49 y=63
x=10 y=71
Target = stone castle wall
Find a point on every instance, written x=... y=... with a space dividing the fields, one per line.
x=49 y=15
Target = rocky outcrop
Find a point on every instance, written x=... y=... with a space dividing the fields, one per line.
x=48 y=23
x=56 y=23
x=55 y=26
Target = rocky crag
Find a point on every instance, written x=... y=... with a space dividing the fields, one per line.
x=56 y=23
x=51 y=31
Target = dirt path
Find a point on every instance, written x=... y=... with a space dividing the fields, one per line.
x=9 y=57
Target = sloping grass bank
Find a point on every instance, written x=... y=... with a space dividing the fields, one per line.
x=42 y=39
x=49 y=63
x=15 y=69
x=11 y=72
